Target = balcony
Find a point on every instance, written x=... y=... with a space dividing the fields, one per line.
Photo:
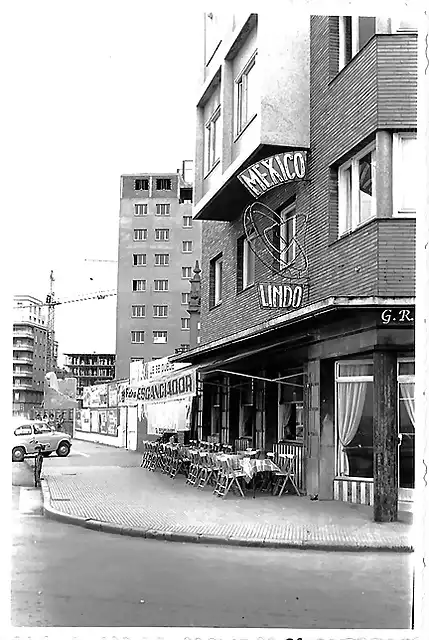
x=23 y=333
x=23 y=385
x=22 y=360
x=23 y=346
x=18 y=373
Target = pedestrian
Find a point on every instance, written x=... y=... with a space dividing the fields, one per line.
x=38 y=462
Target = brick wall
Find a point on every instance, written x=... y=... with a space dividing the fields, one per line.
x=376 y=259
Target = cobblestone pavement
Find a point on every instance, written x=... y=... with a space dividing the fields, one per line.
x=136 y=501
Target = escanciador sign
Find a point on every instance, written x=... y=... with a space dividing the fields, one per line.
x=274 y=171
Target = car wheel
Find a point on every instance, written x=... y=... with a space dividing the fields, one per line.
x=45 y=454
x=18 y=454
x=63 y=449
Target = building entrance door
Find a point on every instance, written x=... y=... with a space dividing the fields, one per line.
x=406 y=429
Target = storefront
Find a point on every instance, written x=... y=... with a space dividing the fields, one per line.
x=99 y=418
x=336 y=389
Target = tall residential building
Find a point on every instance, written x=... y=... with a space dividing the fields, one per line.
x=159 y=244
x=89 y=369
x=29 y=344
x=304 y=182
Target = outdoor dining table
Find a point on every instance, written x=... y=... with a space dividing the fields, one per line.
x=252 y=466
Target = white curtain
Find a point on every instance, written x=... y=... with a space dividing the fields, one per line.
x=407 y=395
x=351 y=398
x=285 y=413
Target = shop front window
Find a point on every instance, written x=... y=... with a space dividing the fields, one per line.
x=406 y=420
x=354 y=418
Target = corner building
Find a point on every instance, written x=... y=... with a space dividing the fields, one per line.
x=308 y=270
x=159 y=243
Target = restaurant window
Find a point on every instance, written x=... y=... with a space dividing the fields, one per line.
x=291 y=409
x=140 y=209
x=356 y=190
x=406 y=421
x=405 y=188
x=354 y=418
x=354 y=33
x=215 y=291
x=247 y=96
x=287 y=233
x=213 y=140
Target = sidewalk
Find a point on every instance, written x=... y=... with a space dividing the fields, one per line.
x=133 y=501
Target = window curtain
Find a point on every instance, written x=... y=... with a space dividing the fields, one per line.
x=407 y=395
x=351 y=398
x=285 y=417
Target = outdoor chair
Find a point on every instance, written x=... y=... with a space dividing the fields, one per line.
x=228 y=478
x=194 y=468
x=176 y=462
x=209 y=469
x=287 y=473
x=146 y=454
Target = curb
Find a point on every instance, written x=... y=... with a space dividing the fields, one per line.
x=173 y=536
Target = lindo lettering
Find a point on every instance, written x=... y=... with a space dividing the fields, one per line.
x=270 y=172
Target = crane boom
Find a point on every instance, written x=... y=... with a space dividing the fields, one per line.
x=98 y=295
x=50 y=329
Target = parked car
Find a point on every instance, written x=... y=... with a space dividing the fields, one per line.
x=27 y=433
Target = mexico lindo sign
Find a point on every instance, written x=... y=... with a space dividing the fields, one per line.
x=274 y=171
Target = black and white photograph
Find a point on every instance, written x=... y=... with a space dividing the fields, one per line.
x=218 y=276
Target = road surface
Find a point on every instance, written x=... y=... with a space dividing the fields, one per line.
x=64 y=575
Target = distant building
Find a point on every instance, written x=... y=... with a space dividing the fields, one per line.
x=89 y=369
x=29 y=344
x=159 y=244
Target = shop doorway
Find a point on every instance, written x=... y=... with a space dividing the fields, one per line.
x=406 y=429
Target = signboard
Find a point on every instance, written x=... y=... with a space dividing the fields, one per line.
x=95 y=396
x=169 y=387
x=280 y=296
x=397 y=316
x=112 y=393
x=102 y=421
x=274 y=171
x=112 y=422
x=85 y=418
x=170 y=416
x=141 y=371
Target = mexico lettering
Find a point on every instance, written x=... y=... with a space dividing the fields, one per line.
x=273 y=171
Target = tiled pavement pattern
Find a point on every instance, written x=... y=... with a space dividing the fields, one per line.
x=135 y=497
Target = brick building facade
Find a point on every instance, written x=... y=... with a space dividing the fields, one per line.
x=331 y=380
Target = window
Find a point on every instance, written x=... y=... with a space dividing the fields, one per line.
x=186 y=272
x=162 y=209
x=287 y=232
x=213 y=140
x=246 y=95
x=139 y=259
x=138 y=311
x=162 y=235
x=216 y=281
x=162 y=259
x=160 y=285
x=187 y=246
x=356 y=184
x=140 y=235
x=187 y=221
x=163 y=184
x=185 y=196
x=406 y=421
x=354 y=33
x=139 y=285
x=23 y=431
x=136 y=359
x=185 y=298
x=185 y=324
x=159 y=337
x=141 y=184
x=405 y=188
x=140 y=209
x=354 y=418
x=160 y=311
x=137 y=336
x=245 y=264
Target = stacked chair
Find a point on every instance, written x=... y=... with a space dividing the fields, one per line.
x=228 y=478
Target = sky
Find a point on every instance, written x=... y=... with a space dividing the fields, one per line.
x=98 y=90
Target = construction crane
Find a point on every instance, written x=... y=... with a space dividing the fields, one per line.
x=50 y=329
x=94 y=260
